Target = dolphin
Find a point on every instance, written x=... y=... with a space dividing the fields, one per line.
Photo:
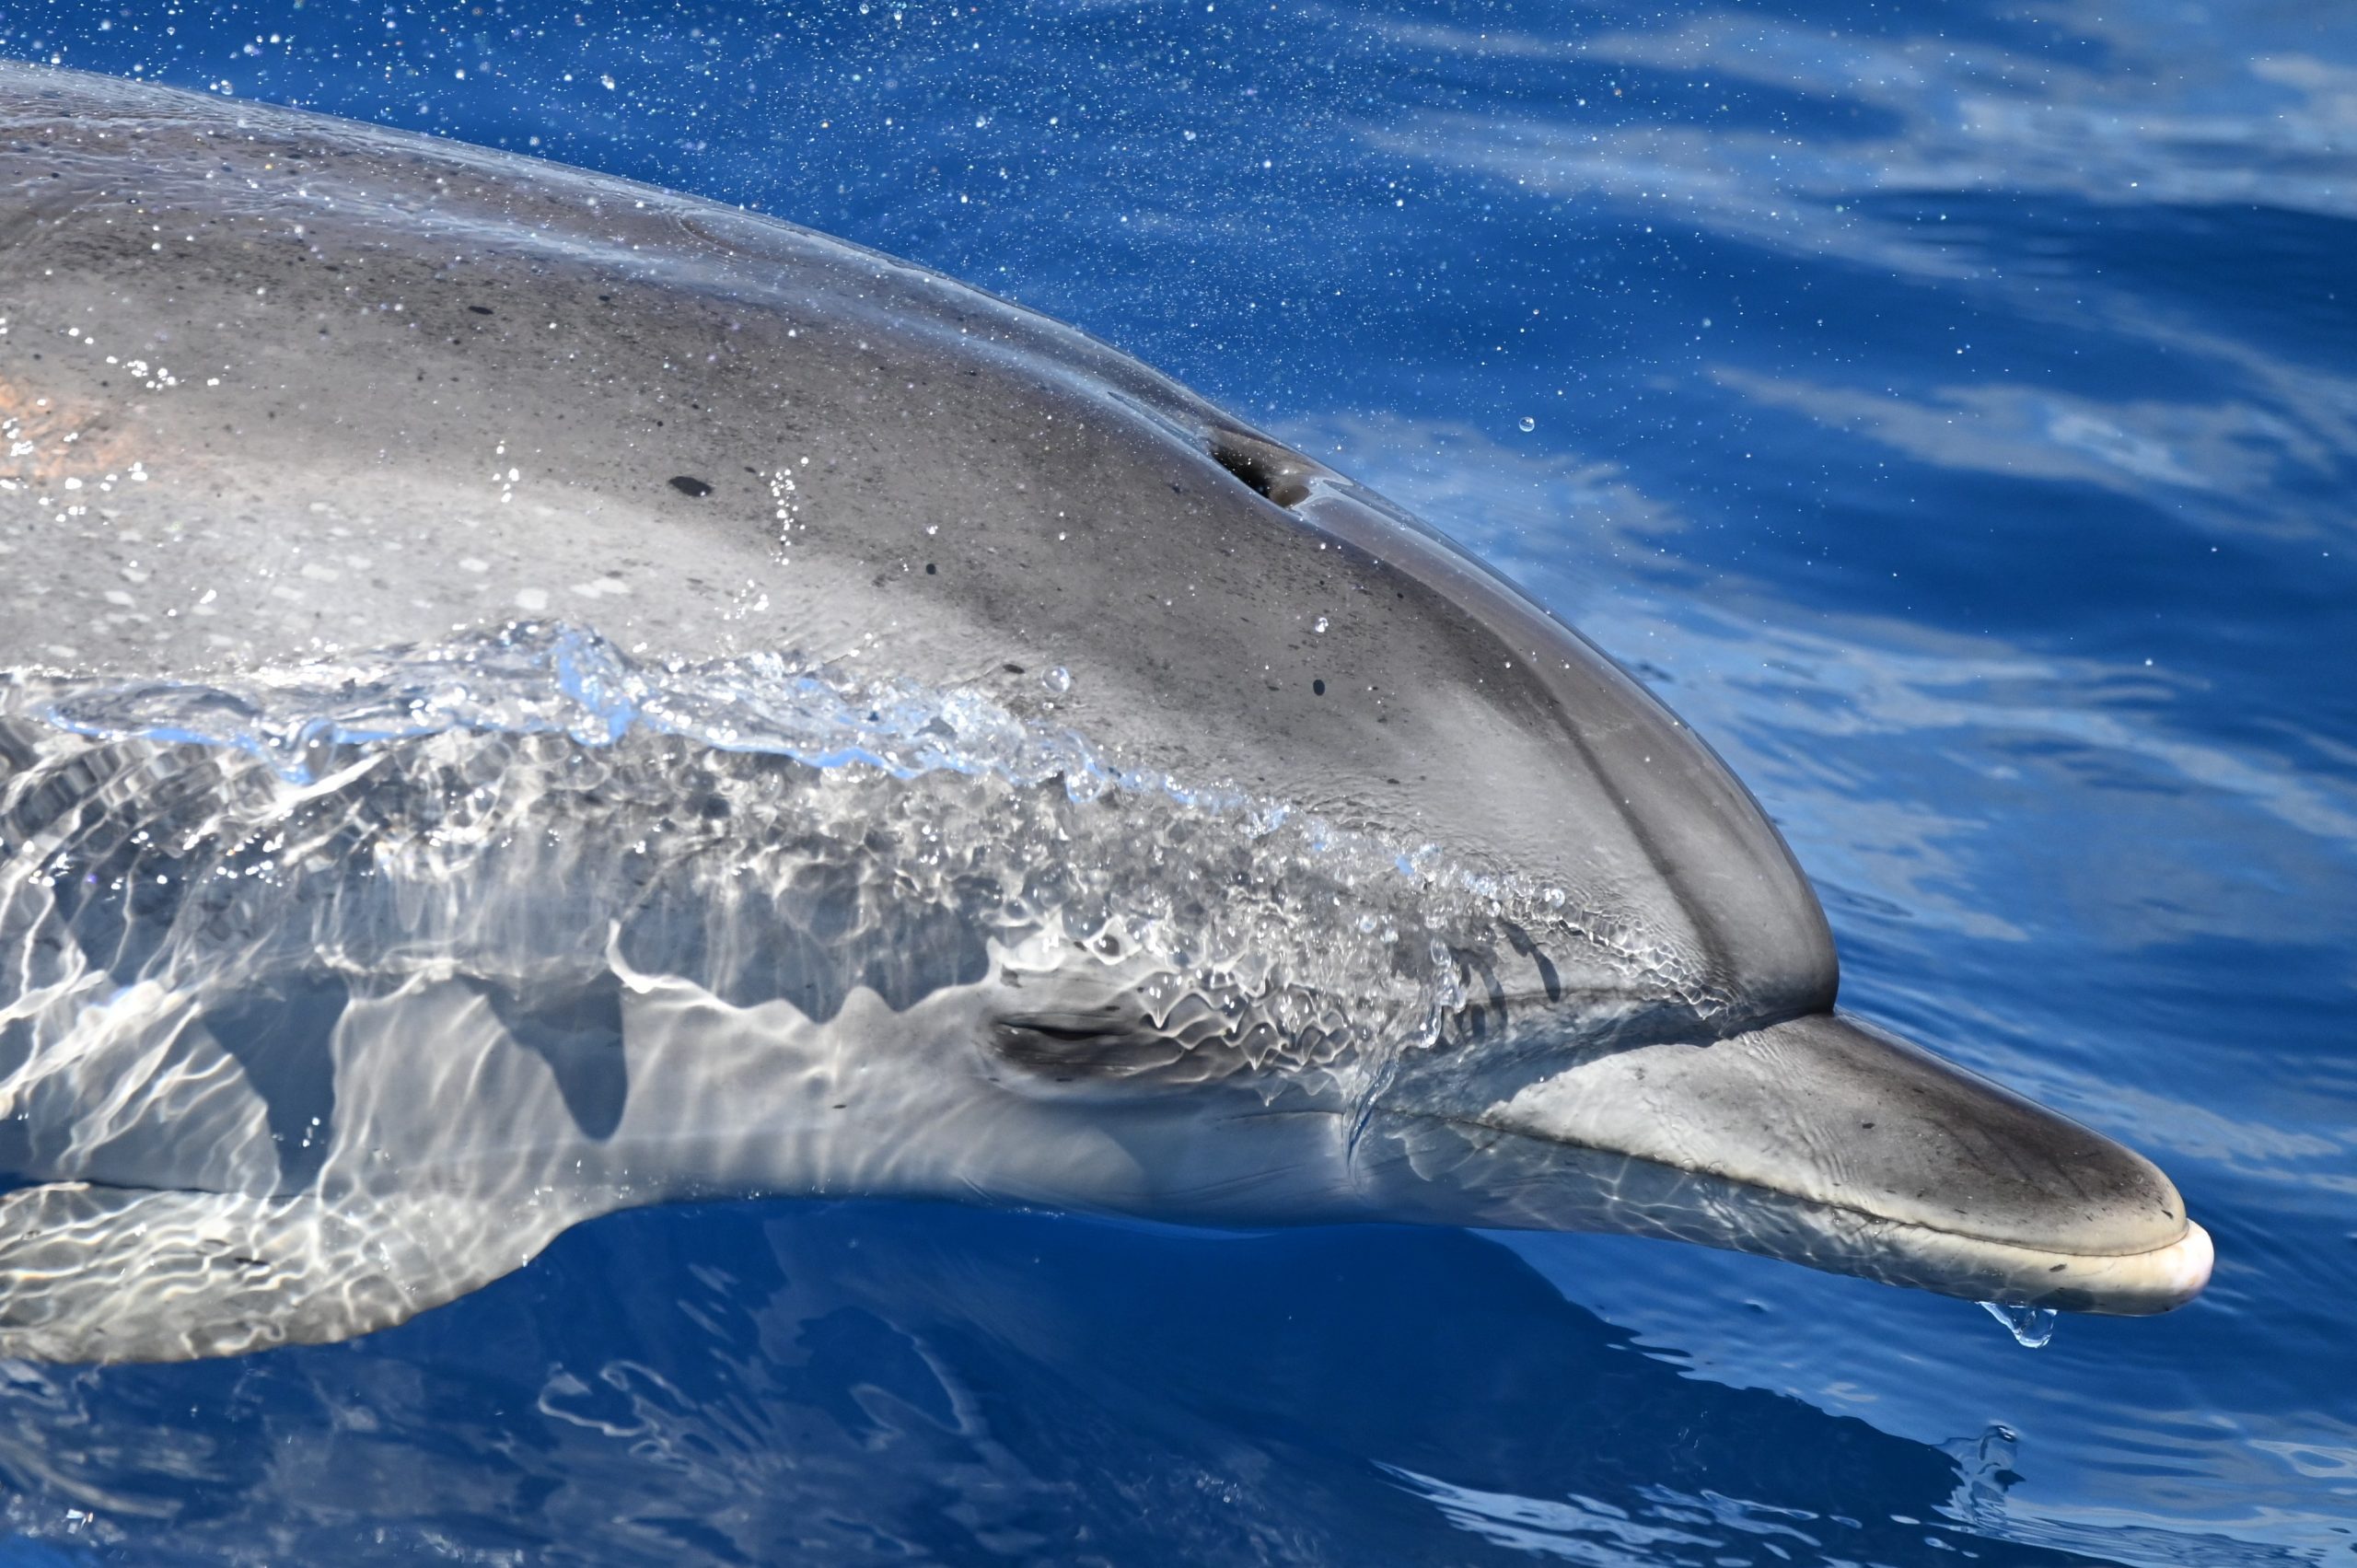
x=527 y=694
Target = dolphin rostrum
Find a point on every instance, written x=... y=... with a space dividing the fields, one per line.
x=527 y=694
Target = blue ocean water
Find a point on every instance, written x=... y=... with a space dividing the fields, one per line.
x=1948 y=408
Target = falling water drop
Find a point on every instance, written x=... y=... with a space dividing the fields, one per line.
x=2030 y=1326
x=1057 y=679
x=1321 y=624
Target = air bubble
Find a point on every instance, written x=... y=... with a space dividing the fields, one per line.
x=1057 y=680
x=1529 y=424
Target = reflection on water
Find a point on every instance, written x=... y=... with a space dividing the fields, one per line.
x=871 y=1380
x=1948 y=409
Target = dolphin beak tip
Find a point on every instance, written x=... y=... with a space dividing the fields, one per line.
x=2162 y=1279
x=2195 y=1257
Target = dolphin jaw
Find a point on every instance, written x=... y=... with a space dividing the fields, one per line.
x=1440 y=1169
x=2133 y=1285
x=1822 y=1141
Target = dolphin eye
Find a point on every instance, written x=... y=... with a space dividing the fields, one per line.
x=1113 y=1039
x=1269 y=469
x=1085 y=1023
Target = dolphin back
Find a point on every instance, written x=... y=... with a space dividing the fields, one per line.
x=288 y=389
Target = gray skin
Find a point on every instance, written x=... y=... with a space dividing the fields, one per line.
x=284 y=390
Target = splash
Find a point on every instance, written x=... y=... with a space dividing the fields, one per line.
x=2032 y=1327
x=535 y=810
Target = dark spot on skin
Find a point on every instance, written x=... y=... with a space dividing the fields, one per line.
x=928 y=568
x=1867 y=1126
x=688 y=484
x=1011 y=668
x=480 y=309
x=1318 y=687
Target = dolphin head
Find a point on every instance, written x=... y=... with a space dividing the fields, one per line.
x=1705 y=1088
x=1649 y=1044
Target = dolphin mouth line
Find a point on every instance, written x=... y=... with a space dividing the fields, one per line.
x=1782 y=1195
x=2118 y=1284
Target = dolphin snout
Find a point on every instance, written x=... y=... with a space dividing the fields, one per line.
x=1832 y=1142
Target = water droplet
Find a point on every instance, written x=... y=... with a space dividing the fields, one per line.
x=1528 y=424
x=2030 y=1326
x=1321 y=624
x=1057 y=679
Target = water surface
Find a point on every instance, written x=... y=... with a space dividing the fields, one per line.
x=1946 y=408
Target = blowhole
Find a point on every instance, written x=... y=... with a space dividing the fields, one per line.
x=1271 y=471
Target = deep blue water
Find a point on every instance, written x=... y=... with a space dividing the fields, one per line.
x=1949 y=408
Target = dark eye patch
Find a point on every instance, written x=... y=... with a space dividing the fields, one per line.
x=1114 y=1039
